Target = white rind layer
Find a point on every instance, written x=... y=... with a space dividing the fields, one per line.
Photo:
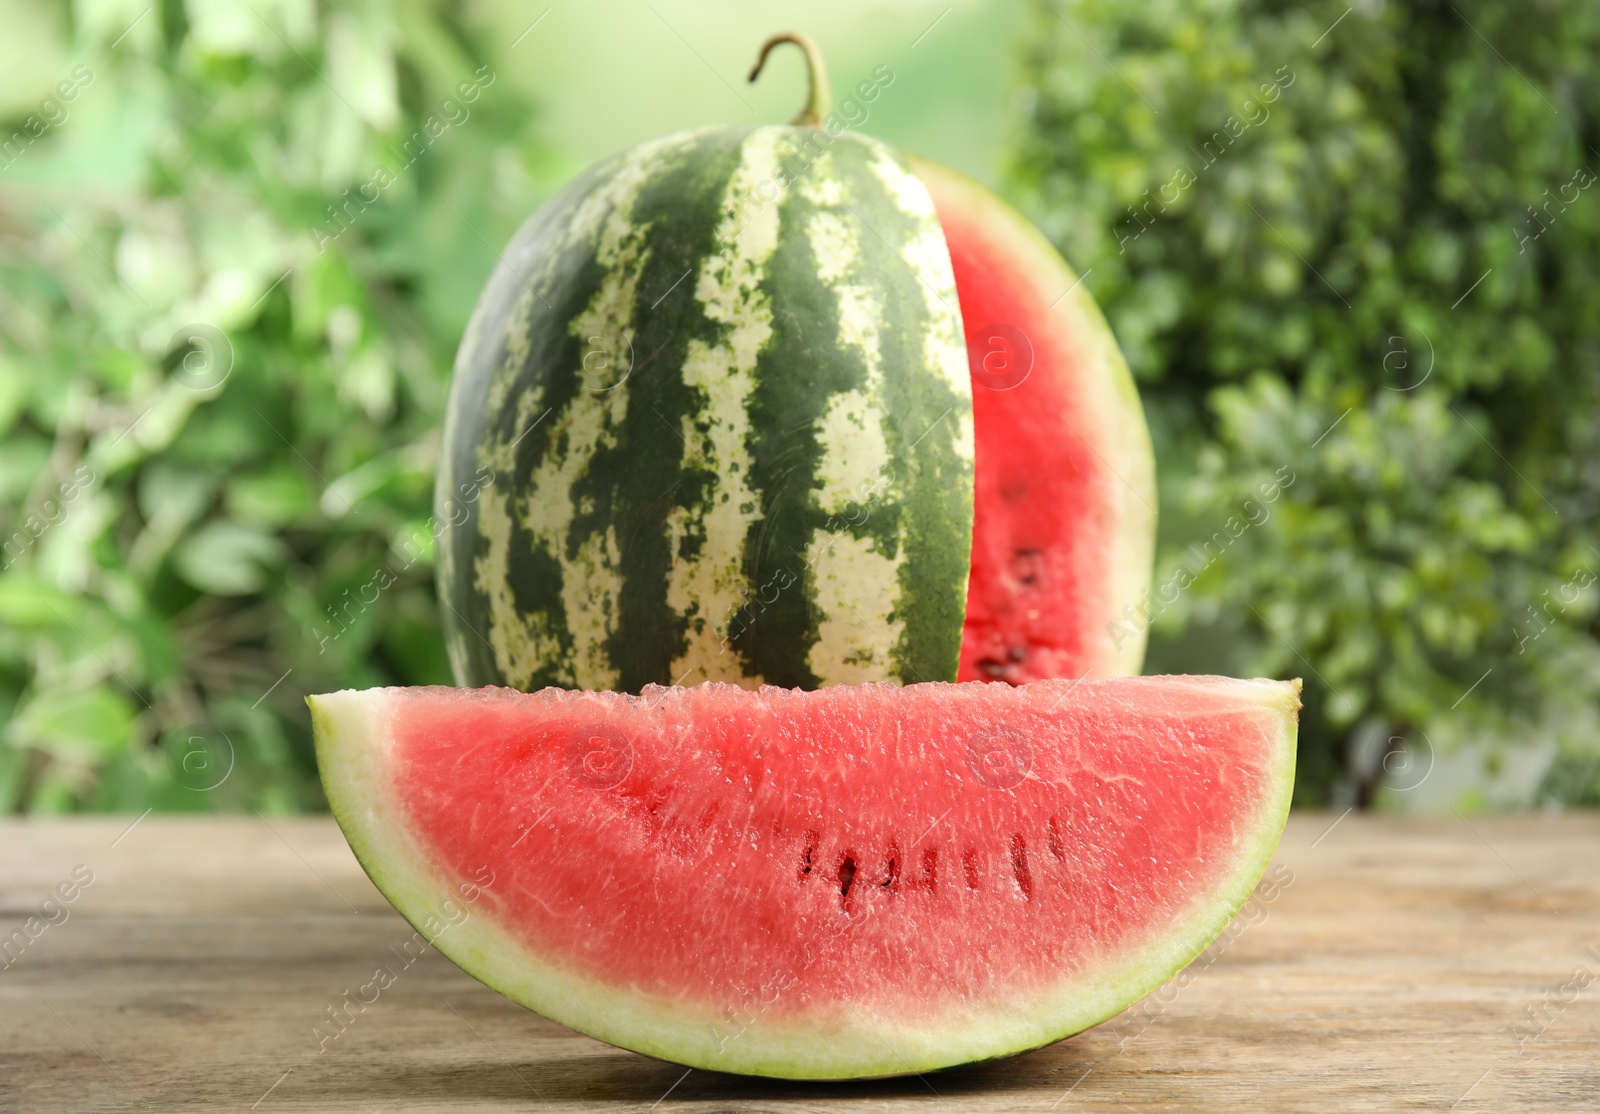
x=354 y=749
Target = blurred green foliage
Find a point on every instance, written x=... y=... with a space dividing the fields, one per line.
x=240 y=244
x=1351 y=255
x=1362 y=245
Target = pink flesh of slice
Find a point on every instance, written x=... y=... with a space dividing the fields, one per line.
x=713 y=868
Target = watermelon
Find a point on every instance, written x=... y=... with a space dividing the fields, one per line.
x=724 y=400
x=862 y=880
x=716 y=417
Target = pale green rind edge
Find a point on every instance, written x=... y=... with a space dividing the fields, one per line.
x=353 y=742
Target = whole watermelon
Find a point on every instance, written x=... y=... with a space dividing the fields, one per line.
x=712 y=419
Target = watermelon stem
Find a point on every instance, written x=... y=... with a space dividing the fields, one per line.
x=816 y=106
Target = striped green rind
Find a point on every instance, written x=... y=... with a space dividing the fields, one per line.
x=764 y=472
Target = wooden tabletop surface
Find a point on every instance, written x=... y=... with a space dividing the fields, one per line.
x=1403 y=964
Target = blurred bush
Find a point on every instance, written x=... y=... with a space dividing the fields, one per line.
x=1352 y=254
x=240 y=244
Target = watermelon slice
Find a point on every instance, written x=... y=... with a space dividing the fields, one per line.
x=856 y=881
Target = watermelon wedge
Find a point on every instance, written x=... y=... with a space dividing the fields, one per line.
x=851 y=882
x=1063 y=531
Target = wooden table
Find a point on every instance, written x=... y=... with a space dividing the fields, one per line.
x=1396 y=971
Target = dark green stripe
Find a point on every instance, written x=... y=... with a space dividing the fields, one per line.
x=645 y=474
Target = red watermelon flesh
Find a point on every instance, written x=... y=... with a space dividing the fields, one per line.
x=1064 y=495
x=856 y=881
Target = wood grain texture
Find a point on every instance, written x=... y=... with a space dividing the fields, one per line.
x=1394 y=972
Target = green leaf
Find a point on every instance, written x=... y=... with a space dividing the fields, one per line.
x=13 y=393
x=25 y=601
x=172 y=495
x=21 y=457
x=79 y=727
x=270 y=499
x=226 y=559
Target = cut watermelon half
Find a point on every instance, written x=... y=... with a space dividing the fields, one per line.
x=857 y=881
x=1064 y=498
